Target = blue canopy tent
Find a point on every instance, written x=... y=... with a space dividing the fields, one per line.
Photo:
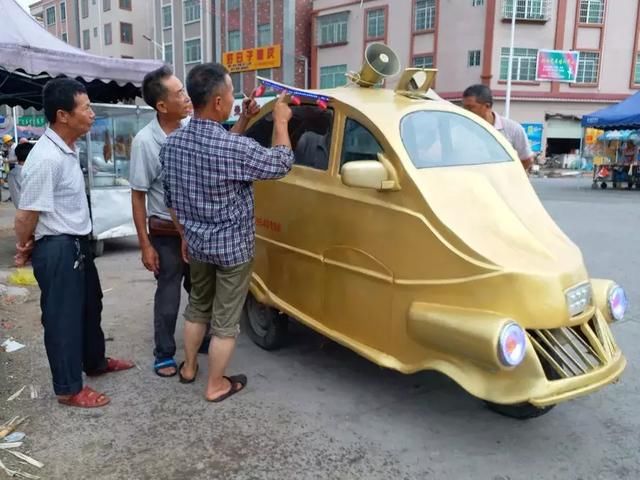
x=620 y=122
x=623 y=115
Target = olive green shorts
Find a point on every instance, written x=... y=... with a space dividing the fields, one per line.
x=217 y=296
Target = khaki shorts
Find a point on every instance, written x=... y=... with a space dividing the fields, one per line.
x=217 y=296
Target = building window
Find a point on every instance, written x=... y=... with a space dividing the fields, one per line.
x=65 y=37
x=474 y=58
x=236 y=79
x=168 y=53
x=84 y=8
x=51 y=16
x=106 y=5
x=526 y=9
x=108 y=34
x=233 y=4
x=234 y=42
x=423 y=61
x=477 y=3
x=191 y=11
x=167 y=20
x=524 y=64
x=126 y=33
x=266 y=73
x=86 y=39
x=592 y=11
x=375 y=24
x=637 y=70
x=332 y=28
x=425 y=15
x=192 y=52
x=333 y=76
x=588 y=65
x=125 y=4
x=63 y=11
x=264 y=35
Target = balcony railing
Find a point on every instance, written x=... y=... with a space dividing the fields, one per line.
x=534 y=10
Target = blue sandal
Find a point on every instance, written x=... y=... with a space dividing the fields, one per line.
x=166 y=363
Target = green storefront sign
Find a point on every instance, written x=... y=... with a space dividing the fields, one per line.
x=33 y=121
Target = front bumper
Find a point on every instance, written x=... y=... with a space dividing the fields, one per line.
x=570 y=388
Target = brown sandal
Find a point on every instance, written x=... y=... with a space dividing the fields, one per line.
x=86 y=398
x=233 y=380
x=113 y=365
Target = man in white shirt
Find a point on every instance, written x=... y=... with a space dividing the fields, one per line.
x=479 y=100
x=161 y=243
x=52 y=227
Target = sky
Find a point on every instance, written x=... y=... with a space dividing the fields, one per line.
x=25 y=3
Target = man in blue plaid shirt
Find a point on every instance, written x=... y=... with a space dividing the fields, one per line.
x=208 y=175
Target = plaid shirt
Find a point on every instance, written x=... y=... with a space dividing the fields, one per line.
x=208 y=175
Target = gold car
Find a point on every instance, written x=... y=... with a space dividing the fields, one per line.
x=409 y=232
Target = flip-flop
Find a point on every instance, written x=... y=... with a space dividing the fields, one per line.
x=184 y=379
x=86 y=398
x=113 y=365
x=233 y=380
x=166 y=363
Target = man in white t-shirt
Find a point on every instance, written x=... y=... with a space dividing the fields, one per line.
x=160 y=242
x=52 y=227
x=479 y=100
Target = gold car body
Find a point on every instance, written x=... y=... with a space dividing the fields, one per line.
x=423 y=272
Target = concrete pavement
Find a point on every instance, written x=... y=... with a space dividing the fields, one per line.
x=315 y=410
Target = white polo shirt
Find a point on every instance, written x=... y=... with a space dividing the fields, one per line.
x=514 y=132
x=53 y=185
x=145 y=170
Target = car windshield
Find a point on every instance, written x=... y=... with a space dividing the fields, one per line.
x=445 y=139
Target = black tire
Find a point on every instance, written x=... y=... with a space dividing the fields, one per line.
x=98 y=247
x=265 y=325
x=520 y=411
x=603 y=185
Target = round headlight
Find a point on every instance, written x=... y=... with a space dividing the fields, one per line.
x=618 y=302
x=512 y=344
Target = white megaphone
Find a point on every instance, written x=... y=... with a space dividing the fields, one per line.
x=379 y=62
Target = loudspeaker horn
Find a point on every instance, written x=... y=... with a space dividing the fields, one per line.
x=379 y=62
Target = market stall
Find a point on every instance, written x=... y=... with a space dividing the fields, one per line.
x=29 y=57
x=612 y=140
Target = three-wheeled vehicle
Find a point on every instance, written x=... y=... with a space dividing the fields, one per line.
x=409 y=232
x=104 y=158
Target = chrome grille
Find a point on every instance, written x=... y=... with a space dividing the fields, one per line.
x=572 y=351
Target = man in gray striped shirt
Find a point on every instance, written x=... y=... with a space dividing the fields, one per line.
x=479 y=100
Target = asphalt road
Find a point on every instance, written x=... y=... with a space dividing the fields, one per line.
x=314 y=410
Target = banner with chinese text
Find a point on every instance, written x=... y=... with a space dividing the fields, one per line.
x=557 y=66
x=258 y=58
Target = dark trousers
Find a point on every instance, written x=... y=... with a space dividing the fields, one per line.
x=174 y=273
x=71 y=304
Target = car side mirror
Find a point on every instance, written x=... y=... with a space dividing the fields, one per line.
x=372 y=174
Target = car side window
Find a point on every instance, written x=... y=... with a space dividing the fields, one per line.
x=262 y=131
x=310 y=133
x=359 y=143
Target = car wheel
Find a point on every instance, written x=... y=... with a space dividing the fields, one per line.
x=520 y=411
x=98 y=247
x=265 y=325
